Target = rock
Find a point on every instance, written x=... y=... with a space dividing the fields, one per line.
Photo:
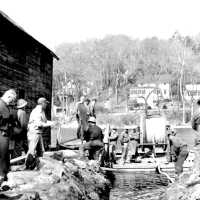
x=80 y=163
x=188 y=185
x=55 y=180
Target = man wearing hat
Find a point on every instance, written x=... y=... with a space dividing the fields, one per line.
x=82 y=114
x=178 y=150
x=36 y=125
x=125 y=139
x=22 y=121
x=94 y=139
x=113 y=137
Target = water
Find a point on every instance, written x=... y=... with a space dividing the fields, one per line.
x=148 y=186
x=137 y=186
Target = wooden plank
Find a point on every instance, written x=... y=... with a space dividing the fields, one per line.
x=15 y=160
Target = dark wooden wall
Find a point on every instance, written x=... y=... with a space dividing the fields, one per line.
x=26 y=66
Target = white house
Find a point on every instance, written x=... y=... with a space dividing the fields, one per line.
x=192 y=92
x=164 y=88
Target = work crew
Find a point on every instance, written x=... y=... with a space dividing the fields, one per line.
x=178 y=151
x=82 y=114
x=20 y=139
x=94 y=139
x=125 y=143
x=134 y=136
x=113 y=137
x=6 y=124
x=36 y=126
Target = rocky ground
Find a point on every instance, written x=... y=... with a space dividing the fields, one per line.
x=187 y=187
x=61 y=176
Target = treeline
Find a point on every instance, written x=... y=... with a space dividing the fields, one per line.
x=118 y=62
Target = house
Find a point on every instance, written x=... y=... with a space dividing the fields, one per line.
x=26 y=65
x=192 y=92
x=152 y=89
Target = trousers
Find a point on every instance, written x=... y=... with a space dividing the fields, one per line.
x=35 y=144
x=93 y=146
x=4 y=156
x=181 y=157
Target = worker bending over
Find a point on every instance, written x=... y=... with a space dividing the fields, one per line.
x=178 y=151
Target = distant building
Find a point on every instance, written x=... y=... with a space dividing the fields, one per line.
x=192 y=92
x=26 y=65
x=141 y=93
x=163 y=87
x=154 y=92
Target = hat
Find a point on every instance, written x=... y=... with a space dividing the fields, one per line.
x=21 y=103
x=42 y=100
x=172 y=131
x=92 y=119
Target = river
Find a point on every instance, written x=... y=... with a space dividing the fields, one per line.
x=139 y=186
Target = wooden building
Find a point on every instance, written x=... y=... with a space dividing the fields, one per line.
x=26 y=65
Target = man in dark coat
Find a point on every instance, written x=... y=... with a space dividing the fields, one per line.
x=178 y=150
x=94 y=139
x=20 y=139
x=82 y=117
x=5 y=126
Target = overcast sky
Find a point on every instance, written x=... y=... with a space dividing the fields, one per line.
x=56 y=21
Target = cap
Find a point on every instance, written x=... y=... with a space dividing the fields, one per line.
x=42 y=100
x=172 y=131
x=92 y=119
x=21 y=103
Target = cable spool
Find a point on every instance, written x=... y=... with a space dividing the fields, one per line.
x=155 y=130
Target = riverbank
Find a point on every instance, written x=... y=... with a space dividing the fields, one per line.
x=61 y=175
x=187 y=187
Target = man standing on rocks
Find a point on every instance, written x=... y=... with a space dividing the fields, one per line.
x=178 y=150
x=94 y=139
x=5 y=125
x=195 y=123
x=36 y=125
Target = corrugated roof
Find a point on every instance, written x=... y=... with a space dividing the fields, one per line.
x=21 y=29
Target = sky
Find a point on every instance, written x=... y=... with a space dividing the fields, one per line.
x=53 y=22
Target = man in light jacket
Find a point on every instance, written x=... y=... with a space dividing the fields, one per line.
x=36 y=125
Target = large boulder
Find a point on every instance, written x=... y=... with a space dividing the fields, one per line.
x=188 y=185
x=59 y=177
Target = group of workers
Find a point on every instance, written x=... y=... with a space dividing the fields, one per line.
x=94 y=139
x=26 y=135
x=18 y=134
x=179 y=149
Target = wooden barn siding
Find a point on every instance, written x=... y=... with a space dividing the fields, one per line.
x=26 y=66
x=28 y=76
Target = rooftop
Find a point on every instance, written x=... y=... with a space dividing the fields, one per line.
x=9 y=20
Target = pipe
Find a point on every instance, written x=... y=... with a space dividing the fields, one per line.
x=158 y=169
